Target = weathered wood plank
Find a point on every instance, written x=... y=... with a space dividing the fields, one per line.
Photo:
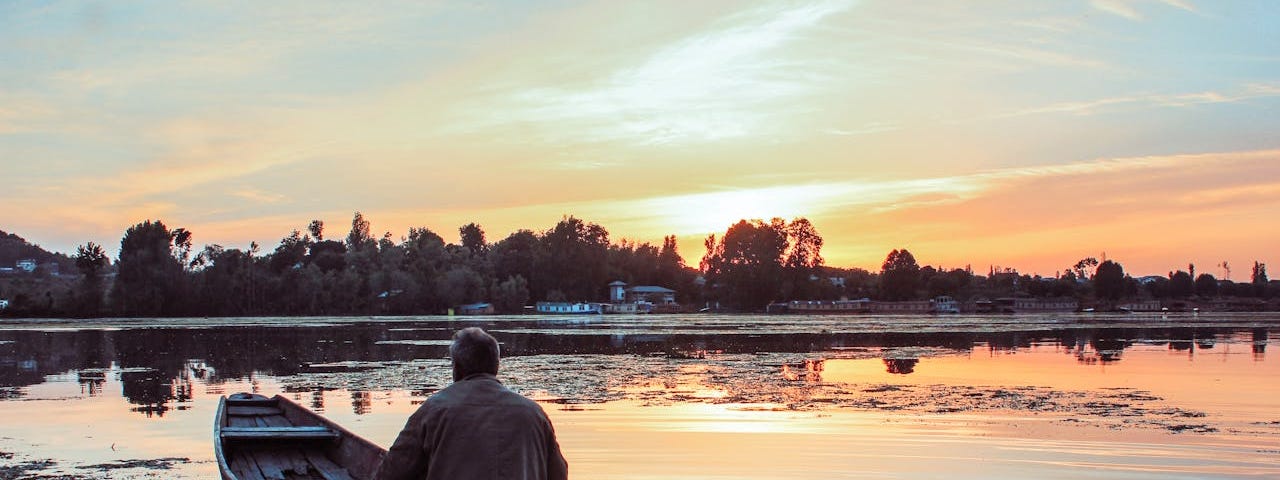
x=252 y=402
x=277 y=421
x=298 y=461
x=241 y=422
x=278 y=433
x=272 y=468
x=253 y=410
x=326 y=467
x=245 y=468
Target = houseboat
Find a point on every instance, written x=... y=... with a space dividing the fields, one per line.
x=861 y=305
x=566 y=308
x=945 y=304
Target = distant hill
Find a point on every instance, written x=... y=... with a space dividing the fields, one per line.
x=14 y=248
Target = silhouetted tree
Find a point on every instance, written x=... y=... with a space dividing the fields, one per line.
x=1259 y=278
x=359 y=236
x=1081 y=268
x=1158 y=287
x=328 y=255
x=182 y=246
x=746 y=265
x=1181 y=285
x=573 y=259
x=899 y=276
x=1206 y=285
x=803 y=258
x=515 y=256
x=291 y=253
x=91 y=260
x=473 y=239
x=150 y=278
x=317 y=229
x=1108 y=280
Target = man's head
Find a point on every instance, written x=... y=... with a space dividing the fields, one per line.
x=473 y=351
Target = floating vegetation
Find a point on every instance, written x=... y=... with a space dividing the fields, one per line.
x=151 y=464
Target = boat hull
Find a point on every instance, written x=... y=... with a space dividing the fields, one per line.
x=260 y=438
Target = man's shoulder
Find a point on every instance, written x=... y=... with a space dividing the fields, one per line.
x=485 y=389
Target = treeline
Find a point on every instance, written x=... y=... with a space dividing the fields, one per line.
x=159 y=273
x=1088 y=280
x=754 y=263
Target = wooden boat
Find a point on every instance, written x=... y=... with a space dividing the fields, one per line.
x=260 y=438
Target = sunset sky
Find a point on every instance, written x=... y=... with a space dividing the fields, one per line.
x=1021 y=134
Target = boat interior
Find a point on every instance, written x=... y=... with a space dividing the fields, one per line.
x=269 y=439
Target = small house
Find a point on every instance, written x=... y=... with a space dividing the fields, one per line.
x=651 y=294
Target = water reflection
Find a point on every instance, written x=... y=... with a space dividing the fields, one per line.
x=809 y=371
x=158 y=367
x=91 y=382
x=901 y=366
x=1259 y=344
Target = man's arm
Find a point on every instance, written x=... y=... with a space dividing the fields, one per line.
x=557 y=467
x=409 y=457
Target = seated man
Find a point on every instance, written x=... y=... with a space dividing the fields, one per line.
x=475 y=428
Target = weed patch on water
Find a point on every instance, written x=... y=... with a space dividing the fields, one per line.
x=152 y=464
x=791 y=380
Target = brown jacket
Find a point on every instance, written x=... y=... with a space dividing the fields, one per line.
x=476 y=429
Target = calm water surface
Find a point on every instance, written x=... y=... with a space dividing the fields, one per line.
x=693 y=396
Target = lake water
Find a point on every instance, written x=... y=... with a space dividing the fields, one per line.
x=682 y=396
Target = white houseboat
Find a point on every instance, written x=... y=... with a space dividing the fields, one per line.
x=567 y=308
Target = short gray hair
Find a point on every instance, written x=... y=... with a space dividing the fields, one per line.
x=474 y=351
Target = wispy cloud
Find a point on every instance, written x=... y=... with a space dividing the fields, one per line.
x=867 y=129
x=1128 y=9
x=1091 y=107
x=259 y=196
x=730 y=81
x=1120 y=8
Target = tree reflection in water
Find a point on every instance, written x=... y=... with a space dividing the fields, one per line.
x=159 y=367
x=361 y=402
x=1259 y=344
x=901 y=366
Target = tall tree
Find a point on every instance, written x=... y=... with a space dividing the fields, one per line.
x=574 y=260
x=150 y=280
x=899 y=276
x=1081 y=268
x=292 y=252
x=803 y=259
x=746 y=265
x=317 y=229
x=359 y=237
x=472 y=237
x=515 y=256
x=1108 y=280
x=1260 y=279
x=1181 y=285
x=90 y=260
x=362 y=252
x=1206 y=285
